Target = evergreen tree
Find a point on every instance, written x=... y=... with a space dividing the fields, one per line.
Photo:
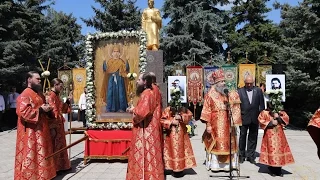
x=300 y=51
x=15 y=47
x=27 y=35
x=115 y=15
x=250 y=31
x=195 y=32
x=63 y=38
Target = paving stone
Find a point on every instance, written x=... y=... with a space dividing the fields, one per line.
x=303 y=148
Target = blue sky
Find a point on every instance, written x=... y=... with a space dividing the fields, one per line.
x=82 y=8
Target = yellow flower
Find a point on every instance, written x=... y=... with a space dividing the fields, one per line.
x=188 y=128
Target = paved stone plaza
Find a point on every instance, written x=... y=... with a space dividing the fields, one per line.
x=307 y=164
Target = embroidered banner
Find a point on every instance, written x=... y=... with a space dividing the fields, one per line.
x=244 y=71
x=195 y=84
x=79 y=82
x=208 y=80
x=66 y=77
x=230 y=73
x=263 y=70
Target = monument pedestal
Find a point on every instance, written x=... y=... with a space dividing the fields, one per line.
x=155 y=64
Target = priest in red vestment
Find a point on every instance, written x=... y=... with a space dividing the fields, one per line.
x=57 y=130
x=275 y=150
x=178 y=152
x=216 y=137
x=145 y=158
x=33 y=136
x=314 y=129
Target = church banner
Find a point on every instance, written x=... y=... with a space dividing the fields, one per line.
x=66 y=77
x=263 y=70
x=208 y=79
x=79 y=82
x=230 y=73
x=195 y=84
x=244 y=71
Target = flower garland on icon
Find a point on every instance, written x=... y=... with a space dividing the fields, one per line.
x=275 y=98
x=111 y=125
x=175 y=101
x=90 y=47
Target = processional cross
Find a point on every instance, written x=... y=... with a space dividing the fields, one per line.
x=45 y=74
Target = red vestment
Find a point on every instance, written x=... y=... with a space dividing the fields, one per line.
x=314 y=129
x=178 y=153
x=158 y=111
x=145 y=158
x=215 y=113
x=158 y=94
x=33 y=139
x=62 y=161
x=275 y=150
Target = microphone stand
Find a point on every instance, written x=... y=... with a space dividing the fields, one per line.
x=231 y=122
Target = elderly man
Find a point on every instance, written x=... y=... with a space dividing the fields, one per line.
x=252 y=103
x=217 y=135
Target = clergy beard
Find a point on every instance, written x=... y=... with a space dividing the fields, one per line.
x=140 y=89
x=36 y=87
x=220 y=89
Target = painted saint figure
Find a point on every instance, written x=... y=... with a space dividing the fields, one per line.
x=115 y=82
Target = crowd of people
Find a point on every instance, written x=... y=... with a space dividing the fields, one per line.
x=8 y=116
x=160 y=140
x=223 y=111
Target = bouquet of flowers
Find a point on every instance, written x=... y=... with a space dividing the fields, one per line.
x=175 y=101
x=131 y=76
x=275 y=98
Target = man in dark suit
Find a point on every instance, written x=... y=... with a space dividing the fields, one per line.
x=252 y=103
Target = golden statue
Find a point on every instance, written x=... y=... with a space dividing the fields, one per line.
x=151 y=24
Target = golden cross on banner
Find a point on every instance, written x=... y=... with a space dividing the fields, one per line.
x=45 y=74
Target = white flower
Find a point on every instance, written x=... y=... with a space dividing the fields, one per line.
x=134 y=75
x=129 y=75
x=45 y=74
x=114 y=126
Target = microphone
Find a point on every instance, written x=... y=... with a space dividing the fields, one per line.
x=226 y=91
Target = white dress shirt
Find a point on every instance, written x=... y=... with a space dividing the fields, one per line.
x=12 y=100
x=2 y=103
x=82 y=102
x=250 y=93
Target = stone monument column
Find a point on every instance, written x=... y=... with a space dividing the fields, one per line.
x=155 y=64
